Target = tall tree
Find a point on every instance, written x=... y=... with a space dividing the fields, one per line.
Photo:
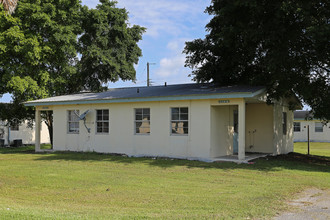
x=38 y=45
x=53 y=47
x=283 y=45
x=108 y=45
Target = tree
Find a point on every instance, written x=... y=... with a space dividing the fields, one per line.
x=9 y=5
x=15 y=114
x=283 y=45
x=108 y=46
x=52 y=47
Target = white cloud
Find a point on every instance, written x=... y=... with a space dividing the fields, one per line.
x=173 y=45
x=170 y=66
x=164 y=16
x=173 y=64
x=169 y=23
x=177 y=45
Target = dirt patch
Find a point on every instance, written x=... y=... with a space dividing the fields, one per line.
x=309 y=159
x=309 y=204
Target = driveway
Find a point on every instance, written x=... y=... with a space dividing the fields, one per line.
x=310 y=204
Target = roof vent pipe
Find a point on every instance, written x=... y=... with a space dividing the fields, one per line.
x=165 y=84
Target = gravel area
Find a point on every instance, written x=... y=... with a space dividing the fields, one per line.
x=309 y=205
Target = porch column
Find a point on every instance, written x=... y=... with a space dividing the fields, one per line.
x=241 y=130
x=37 y=130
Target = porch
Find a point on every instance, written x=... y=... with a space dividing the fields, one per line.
x=241 y=131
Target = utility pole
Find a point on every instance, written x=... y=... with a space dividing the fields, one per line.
x=148 y=80
x=148 y=73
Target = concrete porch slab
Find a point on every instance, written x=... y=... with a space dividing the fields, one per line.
x=234 y=158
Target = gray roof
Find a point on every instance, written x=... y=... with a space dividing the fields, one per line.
x=154 y=93
x=302 y=114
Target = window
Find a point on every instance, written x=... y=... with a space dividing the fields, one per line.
x=102 y=121
x=14 y=127
x=73 y=121
x=318 y=127
x=284 y=122
x=296 y=126
x=179 y=120
x=142 y=121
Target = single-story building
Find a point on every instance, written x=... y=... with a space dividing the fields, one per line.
x=318 y=131
x=22 y=132
x=192 y=121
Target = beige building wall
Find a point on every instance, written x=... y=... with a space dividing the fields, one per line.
x=122 y=138
x=26 y=133
x=210 y=129
x=259 y=133
x=222 y=130
x=283 y=144
x=313 y=136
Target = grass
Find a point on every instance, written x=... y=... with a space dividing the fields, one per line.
x=95 y=186
x=46 y=146
x=316 y=148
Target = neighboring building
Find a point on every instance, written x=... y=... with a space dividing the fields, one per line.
x=22 y=132
x=193 y=121
x=318 y=131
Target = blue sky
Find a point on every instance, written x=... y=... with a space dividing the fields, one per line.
x=169 y=23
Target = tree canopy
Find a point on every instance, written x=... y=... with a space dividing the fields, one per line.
x=283 y=45
x=57 y=47
x=52 y=47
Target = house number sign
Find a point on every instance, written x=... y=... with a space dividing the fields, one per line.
x=224 y=101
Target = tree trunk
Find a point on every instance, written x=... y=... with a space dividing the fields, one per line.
x=49 y=123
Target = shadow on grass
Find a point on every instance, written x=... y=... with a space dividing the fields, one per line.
x=292 y=161
x=17 y=150
x=23 y=150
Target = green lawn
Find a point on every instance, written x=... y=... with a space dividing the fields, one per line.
x=315 y=148
x=46 y=146
x=95 y=186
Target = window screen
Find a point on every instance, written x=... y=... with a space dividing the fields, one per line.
x=102 y=121
x=296 y=127
x=142 y=121
x=318 y=127
x=179 y=120
x=73 y=121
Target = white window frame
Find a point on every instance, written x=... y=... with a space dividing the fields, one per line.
x=69 y=122
x=148 y=121
x=295 y=126
x=179 y=120
x=318 y=127
x=102 y=121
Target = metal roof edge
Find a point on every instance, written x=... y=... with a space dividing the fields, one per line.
x=306 y=120
x=151 y=99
